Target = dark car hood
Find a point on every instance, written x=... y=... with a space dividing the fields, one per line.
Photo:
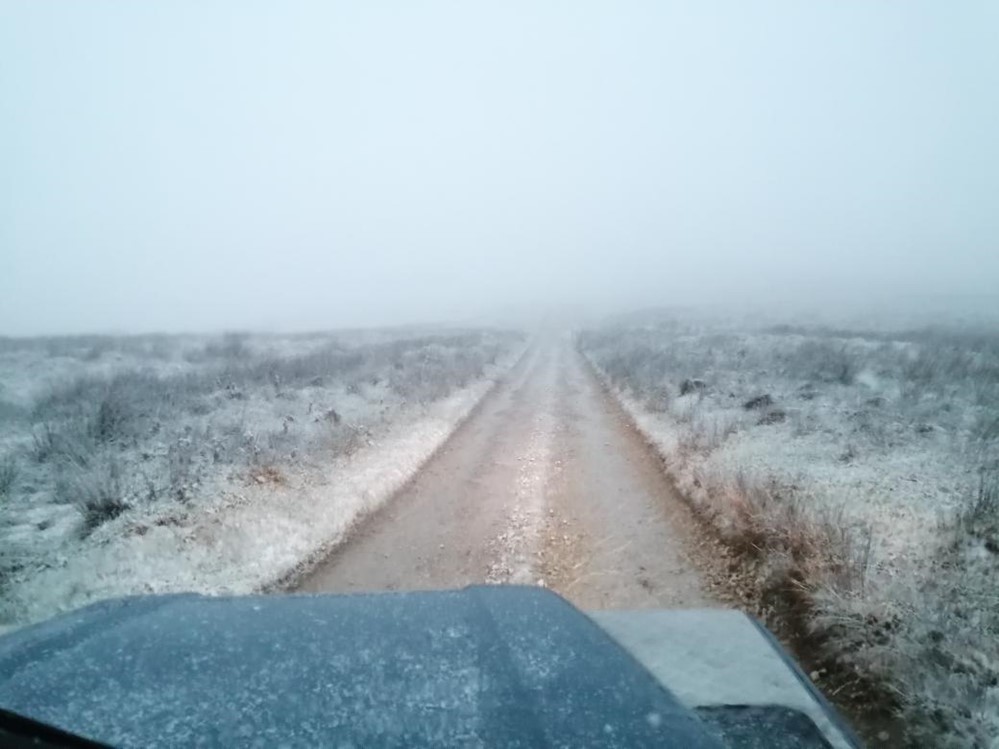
x=496 y=666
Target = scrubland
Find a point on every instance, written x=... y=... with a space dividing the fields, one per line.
x=211 y=463
x=854 y=475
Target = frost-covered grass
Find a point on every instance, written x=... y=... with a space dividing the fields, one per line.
x=857 y=474
x=161 y=463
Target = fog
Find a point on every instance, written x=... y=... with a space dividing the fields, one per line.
x=196 y=166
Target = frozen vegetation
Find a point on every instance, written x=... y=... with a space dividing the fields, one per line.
x=856 y=475
x=218 y=464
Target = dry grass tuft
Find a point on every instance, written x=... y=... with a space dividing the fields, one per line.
x=271 y=475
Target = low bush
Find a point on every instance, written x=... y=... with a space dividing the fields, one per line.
x=68 y=441
x=95 y=490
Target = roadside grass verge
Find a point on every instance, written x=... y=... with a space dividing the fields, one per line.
x=855 y=476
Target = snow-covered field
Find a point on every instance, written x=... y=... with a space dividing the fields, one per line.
x=214 y=464
x=858 y=471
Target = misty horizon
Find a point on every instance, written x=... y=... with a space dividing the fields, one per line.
x=307 y=166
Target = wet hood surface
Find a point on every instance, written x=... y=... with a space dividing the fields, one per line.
x=490 y=666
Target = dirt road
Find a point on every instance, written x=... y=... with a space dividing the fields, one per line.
x=546 y=483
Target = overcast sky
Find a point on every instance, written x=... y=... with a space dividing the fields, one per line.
x=203 y=165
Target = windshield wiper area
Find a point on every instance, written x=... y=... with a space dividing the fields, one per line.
x=19 y=732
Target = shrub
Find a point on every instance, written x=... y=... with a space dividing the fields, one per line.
x=759 y=402
x=772 y=416
x=9 y=473
x=111 y=418
x=980 y=518
x=69 y=442
x=181 y=468
x=96 y=492
x=692 y=386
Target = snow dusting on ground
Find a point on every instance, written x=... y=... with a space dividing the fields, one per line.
x=255 y=519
